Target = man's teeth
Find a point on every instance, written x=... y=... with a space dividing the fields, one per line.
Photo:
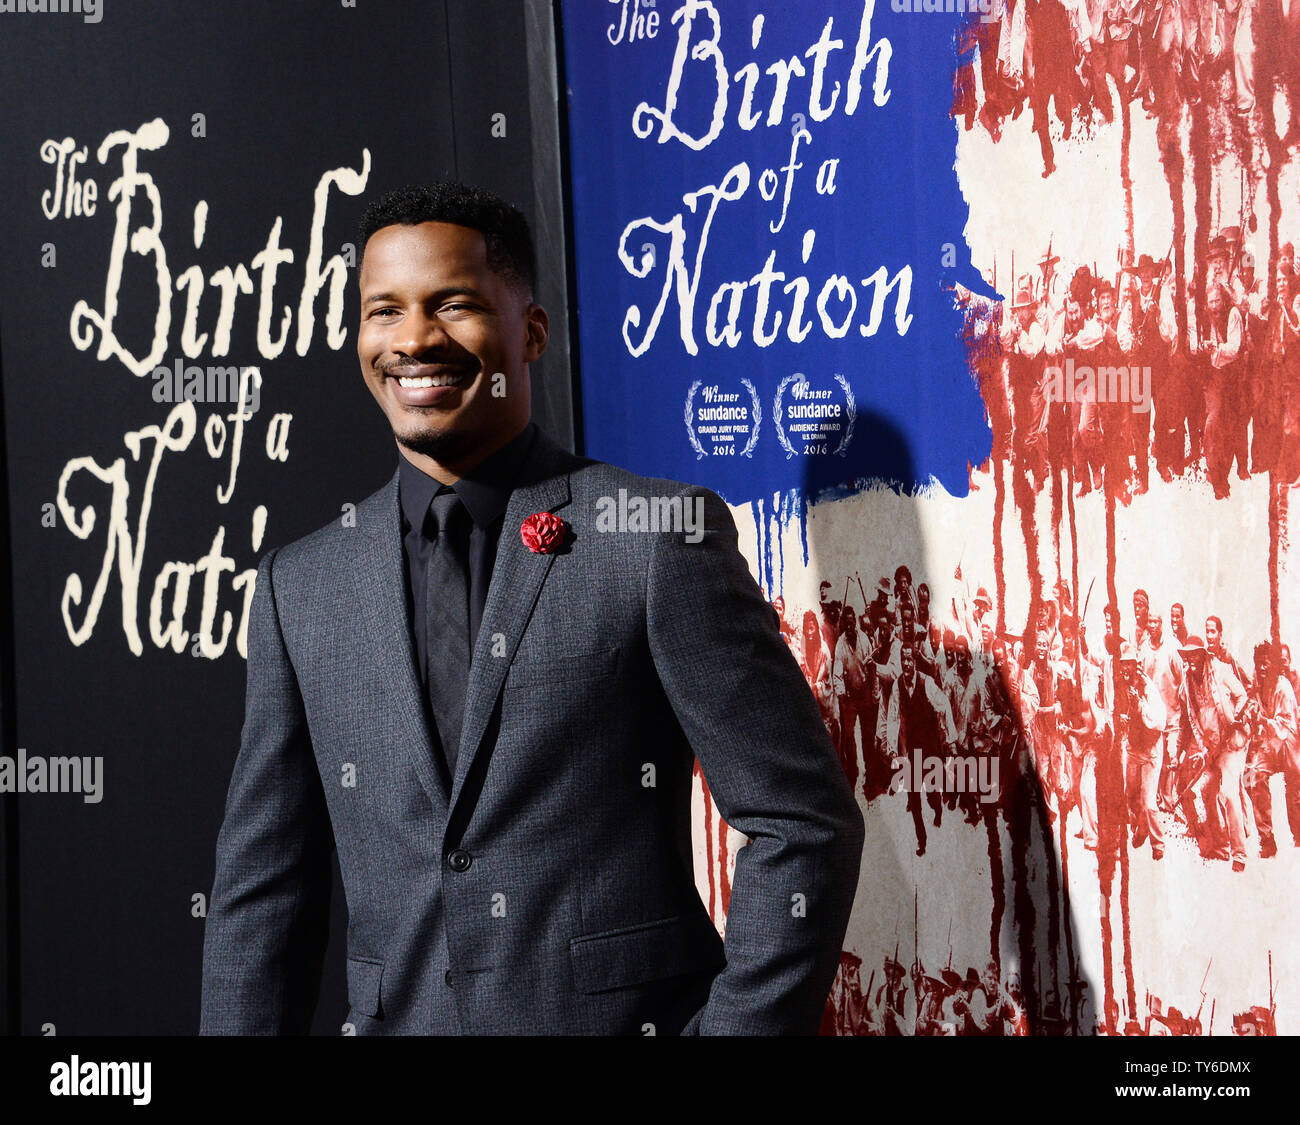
x=430 y=380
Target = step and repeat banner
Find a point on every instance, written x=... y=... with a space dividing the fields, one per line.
x=986 y=324
x=180 y=187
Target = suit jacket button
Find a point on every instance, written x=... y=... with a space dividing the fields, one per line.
x=447 y=978
x=459 y=860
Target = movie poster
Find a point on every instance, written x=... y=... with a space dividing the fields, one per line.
x=179 y=201
x=986 y=324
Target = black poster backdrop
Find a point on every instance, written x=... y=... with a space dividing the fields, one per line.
x=134 y=524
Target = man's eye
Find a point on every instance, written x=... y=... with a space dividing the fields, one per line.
x=382 y=312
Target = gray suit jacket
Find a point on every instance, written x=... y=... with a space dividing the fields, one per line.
x=551 y=891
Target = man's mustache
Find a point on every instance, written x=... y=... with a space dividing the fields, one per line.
x=408 y=361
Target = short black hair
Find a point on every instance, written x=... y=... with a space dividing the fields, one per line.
x=504 y=229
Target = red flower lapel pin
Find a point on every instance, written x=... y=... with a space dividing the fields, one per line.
x=543 y=533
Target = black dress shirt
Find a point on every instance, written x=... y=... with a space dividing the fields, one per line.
x=484 y=491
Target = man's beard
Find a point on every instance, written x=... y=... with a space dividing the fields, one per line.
x=440 y=445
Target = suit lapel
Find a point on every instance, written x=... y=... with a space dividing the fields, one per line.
x=517 y=579
x=383 y=619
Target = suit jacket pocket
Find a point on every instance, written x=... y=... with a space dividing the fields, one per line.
x=559 y=666
x=668 y=947
x=363 y=985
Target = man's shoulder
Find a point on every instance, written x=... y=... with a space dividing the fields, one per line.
x=608 y=495
x=336 y=540
x=591 y=477
x=1285 y=692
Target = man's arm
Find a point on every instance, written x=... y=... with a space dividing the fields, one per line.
x=746 y=710
x=887 y=725
x=1282 y=724
x=943 y=709
x=838 y=668
x=891 y=667
x=268 y=919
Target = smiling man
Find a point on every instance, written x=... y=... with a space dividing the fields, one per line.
x=491 y=706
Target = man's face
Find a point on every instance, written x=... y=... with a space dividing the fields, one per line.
x=1025 y=316
x=1140 y=606
x=1176 y=617
x=1214 y=298
x=1156 y=628
x=1211 y=635
x=1041 y=648
x=1073 y=311
x=1285 y=658
x=1106 y=306
x=909 y=619
x=431 y=307
x=1262 y=667
x=908 y=663
x=824 y=596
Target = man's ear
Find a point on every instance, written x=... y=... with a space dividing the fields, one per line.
x=538 y=327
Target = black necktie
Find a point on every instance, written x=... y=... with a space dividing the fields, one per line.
x=446 y=608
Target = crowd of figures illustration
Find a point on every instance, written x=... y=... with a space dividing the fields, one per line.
x=1123 y=370
x=1015 y=726
x=1093 y=60
x=1087 y=379
x=1214 y=349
